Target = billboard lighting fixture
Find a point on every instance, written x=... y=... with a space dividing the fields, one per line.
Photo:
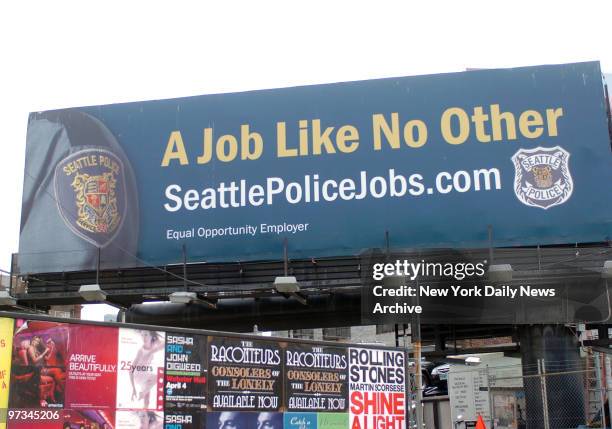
x=286 y=284
x=606 y=273
x=500 y=273
x=92 y=293
x=189 y=298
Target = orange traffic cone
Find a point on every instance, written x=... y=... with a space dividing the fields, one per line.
x=480 y=424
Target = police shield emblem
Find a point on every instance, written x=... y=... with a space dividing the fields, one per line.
x=542 y=177
x=90 y=193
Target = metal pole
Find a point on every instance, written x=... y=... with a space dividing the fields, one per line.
x=98 y=268
x=185 y=268
x=11 y=288
x=387 y=246
x=416 y=338
x=410 y=421
x=600 y=390
x=490 y=234
x=609 y=384
x=491 y=411
x=418 y=382
x=541 y=389
x=396 y=335
x=285 y=257
x=542 y=374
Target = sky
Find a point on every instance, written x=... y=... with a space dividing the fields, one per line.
x=74 y=53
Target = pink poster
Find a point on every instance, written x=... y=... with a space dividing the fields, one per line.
x=92 y=367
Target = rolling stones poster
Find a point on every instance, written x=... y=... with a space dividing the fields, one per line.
x=377 y=388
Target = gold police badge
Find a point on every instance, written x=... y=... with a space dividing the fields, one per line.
x=97 y=202
x=90 y=192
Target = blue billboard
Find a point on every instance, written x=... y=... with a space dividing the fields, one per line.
x=432 y=161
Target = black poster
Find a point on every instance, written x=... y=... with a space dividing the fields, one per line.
x=186 y=419
x=186 y=375
x=245 y=374
x=316 y=378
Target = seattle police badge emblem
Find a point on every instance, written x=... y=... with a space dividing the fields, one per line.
x=90 y=194
x=542 y=177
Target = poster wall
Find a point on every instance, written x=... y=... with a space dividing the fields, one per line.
x=74 y=376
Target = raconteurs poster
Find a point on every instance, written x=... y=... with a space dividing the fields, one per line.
x=244 y=374
x=316 y=377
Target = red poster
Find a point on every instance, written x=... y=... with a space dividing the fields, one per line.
x=92 y=367
x=38 y=372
